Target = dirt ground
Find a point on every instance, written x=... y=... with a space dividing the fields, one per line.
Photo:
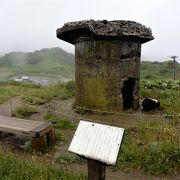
x=15 y=143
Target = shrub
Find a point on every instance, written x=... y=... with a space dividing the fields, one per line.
x=59 y=136
x=28 y=146
x=60 y=123
x=33 y=100
x=160 y=84
x=64 y=123
x=70 y=159
x=70 y=86
x=23 y=111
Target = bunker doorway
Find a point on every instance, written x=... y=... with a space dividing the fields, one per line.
x=127 y=93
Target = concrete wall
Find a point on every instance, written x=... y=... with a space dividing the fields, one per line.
x=102 y=72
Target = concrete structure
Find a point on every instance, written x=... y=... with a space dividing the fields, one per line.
x=107 y=62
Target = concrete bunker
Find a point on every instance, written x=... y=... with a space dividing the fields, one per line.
x=107 y=62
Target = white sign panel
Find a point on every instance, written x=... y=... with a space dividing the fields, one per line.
x=97 y=141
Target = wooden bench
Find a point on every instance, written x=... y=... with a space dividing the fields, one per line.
x=41 y=132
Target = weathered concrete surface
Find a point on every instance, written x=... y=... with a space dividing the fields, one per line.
x=107 y=62
x=102 y=67
x=73 y=32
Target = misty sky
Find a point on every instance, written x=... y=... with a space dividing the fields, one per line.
x=27 y=25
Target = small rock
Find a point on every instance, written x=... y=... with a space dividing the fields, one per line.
x=150 y=104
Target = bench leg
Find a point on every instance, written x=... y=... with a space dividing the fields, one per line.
x=50 y=137
x=39 y=143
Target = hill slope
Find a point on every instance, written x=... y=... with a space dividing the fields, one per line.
x=45 y=61
x=159 y=70
x=56 y=61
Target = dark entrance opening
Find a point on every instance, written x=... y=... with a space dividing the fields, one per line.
x=127 y=93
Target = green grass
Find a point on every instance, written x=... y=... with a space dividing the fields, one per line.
x=4 y=95
x=45 y=61
x=146 y=148
x=47 y=93
x=69 y=158
x=169 y=99
x=23 y=111
x=58 y=122
x=34 y=94
x=60 y=136
x=158 y=70
x=58 y=62
x=28 y=146
x=154 y=151
x=14 y=167
x=33 y=101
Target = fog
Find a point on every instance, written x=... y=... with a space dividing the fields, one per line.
x=28 y=25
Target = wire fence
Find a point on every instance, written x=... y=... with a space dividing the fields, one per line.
x=121 y=115
x=138 y=113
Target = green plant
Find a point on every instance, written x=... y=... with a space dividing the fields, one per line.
x=60 y=137
x=160 y=84
x=50 y=117
x=169 y=99
x=161 y=70
x=28 y=146
x=154 y=151
x=4 y=95
x=33 y=100
x=23 y=111
x=60 y=123
x=71 y=86
x=68 y=158
x=64 y=123
x=16 y=167
x=35 y=95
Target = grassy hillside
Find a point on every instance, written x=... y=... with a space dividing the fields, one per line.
x=159 y=70
x=58 y=62
x=150 y=144
x=45 y=61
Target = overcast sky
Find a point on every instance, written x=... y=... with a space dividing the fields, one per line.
x=27 y=25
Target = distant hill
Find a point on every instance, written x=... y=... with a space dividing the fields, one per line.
x=159 y=70
x=45 y=61
x=56 y=61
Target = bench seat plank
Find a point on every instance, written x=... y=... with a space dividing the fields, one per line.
x=23 y=126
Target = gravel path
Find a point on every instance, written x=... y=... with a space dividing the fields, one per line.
x=5 y=108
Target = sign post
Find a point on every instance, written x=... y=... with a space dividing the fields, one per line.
x=96 y=170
